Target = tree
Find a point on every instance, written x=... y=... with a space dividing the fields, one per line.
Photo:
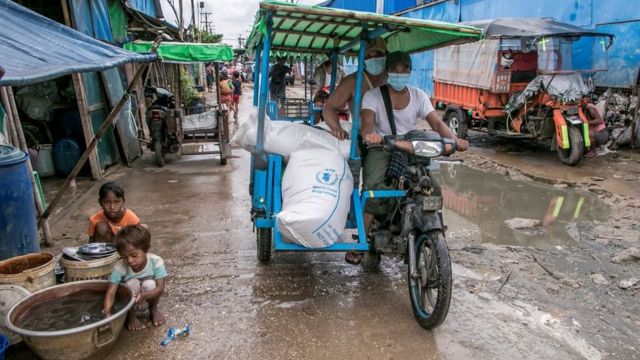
x=204 y=36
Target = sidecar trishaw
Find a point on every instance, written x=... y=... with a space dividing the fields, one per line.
x=524 y=80
x=208 y=123
x=319 y=32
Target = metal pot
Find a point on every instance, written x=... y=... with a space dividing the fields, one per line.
x=92 y=341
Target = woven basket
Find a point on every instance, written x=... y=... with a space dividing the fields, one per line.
x=89 y=270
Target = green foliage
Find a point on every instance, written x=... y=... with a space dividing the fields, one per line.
x=187 y=88
x=205 y=36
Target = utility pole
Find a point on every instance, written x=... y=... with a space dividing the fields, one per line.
x=240 y=40
x=206 y=21
x=193 y=21
x=181 y=27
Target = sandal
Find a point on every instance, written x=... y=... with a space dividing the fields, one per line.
x=354 y=258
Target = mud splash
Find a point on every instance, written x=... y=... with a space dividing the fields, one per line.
x=478 y=204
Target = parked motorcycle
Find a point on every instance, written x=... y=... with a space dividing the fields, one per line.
x=415 y=229
x=162 y=125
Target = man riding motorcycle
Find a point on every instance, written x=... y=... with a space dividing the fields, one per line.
x=407 y=104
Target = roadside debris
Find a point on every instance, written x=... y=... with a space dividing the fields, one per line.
x=599 y=279
x=630 y=254
x=620 y=113
x=504 y=281
x=173 y=334
x=528 y=226
x=627 y=283
x=545 y=268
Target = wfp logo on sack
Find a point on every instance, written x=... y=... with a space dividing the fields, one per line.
x=327 y=177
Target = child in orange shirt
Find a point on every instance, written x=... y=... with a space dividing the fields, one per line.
x=105 y=224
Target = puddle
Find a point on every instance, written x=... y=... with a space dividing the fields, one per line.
x=477 y=205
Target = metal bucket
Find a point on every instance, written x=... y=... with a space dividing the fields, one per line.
x=93 y=341
x=32 y=271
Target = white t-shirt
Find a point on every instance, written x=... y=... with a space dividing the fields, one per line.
x=419 y=107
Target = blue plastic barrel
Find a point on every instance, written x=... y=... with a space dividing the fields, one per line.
x=66 y=153
x=4 y=345
x=18 y=228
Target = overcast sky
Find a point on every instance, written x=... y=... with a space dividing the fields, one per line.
x=230 y=17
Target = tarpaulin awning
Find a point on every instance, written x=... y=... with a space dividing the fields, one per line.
x=177 y=52
x=314 y=29
x=525 y=27
x=34 y=48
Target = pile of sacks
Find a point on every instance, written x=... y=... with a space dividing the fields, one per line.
x=620 y=117
x=317 y=182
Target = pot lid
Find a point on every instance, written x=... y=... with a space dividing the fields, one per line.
x=9 y=296
x=10 y=155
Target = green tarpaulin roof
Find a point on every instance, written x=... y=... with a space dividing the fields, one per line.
x=184 y=52
x=316 y=29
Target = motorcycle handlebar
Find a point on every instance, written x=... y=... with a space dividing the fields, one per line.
x=391 y=142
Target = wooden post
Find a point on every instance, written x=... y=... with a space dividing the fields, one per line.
x=13 y=135
x=87 y=126
x=81 y=97
x=109 y=121
x=8 y=98
x=178 y=91
x=142 y=107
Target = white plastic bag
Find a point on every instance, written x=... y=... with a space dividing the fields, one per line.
x=284 y=137
x=316 y=194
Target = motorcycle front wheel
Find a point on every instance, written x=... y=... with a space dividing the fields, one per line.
x=159 y=155
x=431 y=290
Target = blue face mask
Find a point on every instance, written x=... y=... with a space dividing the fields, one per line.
x=398 y=81
x=374 y=66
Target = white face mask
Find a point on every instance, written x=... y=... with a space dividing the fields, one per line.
x=374 y=66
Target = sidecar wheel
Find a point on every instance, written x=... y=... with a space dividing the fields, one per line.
x=264 y=244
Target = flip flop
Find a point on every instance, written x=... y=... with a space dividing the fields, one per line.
x=354 y=258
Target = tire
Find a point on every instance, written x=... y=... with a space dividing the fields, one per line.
x=457 y=121
x=157 y=148
x=264 y=244
x=431 y=250
x=573 y=155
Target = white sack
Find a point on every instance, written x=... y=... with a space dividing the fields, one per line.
x=284 y=137
x=316 y=194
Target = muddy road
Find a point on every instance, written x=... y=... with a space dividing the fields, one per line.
x=518 y=294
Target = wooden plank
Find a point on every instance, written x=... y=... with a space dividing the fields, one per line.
x=87 y=128
x=13 y=135
x=139 y=92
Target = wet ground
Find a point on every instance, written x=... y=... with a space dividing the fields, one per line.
x=517 y=295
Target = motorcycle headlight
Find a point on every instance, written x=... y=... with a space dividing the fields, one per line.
x=427 y=148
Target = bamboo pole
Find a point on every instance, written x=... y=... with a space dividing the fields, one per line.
x=7 y=96
x=110 y=120
x=314 y=34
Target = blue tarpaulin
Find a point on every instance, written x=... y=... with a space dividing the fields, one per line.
x=92 y=18
x=34 y=48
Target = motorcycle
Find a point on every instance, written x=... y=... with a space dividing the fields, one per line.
x=162 y=125
x=415 y=229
